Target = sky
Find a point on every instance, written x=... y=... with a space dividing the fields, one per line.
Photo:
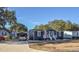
x=31 y=16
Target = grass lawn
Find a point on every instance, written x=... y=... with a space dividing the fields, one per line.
x=71 y=46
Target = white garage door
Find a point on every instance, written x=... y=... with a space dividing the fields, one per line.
x=67 y=34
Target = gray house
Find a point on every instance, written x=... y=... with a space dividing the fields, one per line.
x=50 y=34
x=36 y=34
x=3 y=32
x=75 y=34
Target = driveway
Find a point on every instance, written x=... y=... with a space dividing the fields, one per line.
x=16 y=46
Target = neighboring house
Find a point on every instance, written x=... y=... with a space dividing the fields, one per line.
x=3 y=32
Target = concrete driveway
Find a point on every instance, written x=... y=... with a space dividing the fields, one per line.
x=16 y=46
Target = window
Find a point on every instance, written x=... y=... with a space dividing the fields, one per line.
x=59 y=33
x=38 y=33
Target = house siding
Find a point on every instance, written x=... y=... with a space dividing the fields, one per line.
x=75 y=34
x=59 y=35
x=3 y=33
x=53 y=35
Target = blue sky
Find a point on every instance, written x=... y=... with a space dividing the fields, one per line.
x=31 y=16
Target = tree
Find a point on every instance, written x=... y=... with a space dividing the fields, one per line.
x=68 y=25
x=7 y=16
x=57 y=25
x=42 y=27
x=19 y=28
x=10 y=17
x=75 y=27
x=2 y=19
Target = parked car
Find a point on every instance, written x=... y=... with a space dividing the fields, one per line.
x=2 y=38
x=22 y=36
